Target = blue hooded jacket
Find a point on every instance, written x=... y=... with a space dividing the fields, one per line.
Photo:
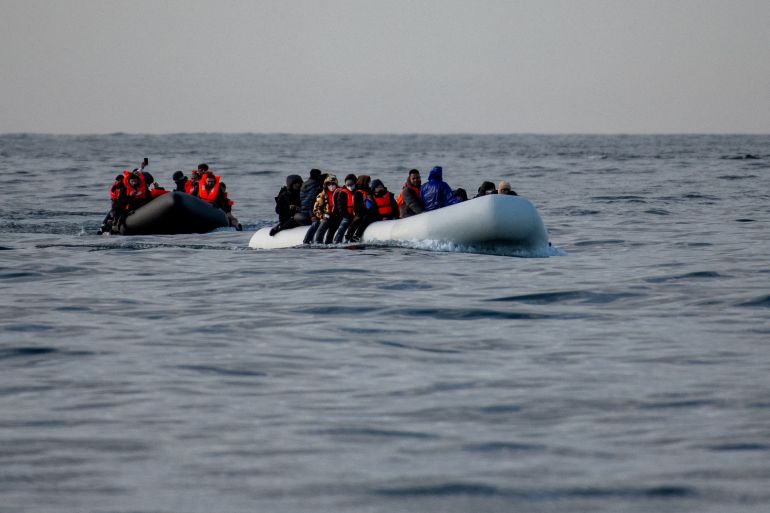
x=436 y=193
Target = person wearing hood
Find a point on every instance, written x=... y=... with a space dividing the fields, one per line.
x=461 y=195
x=320 y=211
x=409 y=202
x=343 y=206
x=323 y=209
x=380 y=206
x=287 y=204
x=362 y=205
x=505 y=188
x=486 y=188
x=436 y=193
x=307 y=196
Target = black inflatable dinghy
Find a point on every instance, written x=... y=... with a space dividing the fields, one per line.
x=171 y=213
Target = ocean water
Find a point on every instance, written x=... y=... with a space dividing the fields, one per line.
x=192 y=374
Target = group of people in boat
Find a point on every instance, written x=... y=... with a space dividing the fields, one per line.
x=341 y=212
x=135 y=188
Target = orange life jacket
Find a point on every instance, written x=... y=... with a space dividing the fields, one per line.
x=138 y=194
x=209 y=196
x=383 y=204
x=349 y=200
x=400 y=198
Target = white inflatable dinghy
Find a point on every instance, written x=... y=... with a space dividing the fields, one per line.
x=492 y=220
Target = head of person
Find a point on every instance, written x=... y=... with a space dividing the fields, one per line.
x=133 y=180
x=315 y=174
x=487 y=188
x=461 y=194
x=209 y=180
x=414 y=178
x=363 y=182
x=330 y=183
x=436 y=174
x=196 y=175
x=294 y=183
x=350 y=182
x=178 y=176
x=203 y=168
x=504 y=187
x=378 y=188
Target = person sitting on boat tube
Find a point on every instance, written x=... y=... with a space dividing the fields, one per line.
x=362 y=204
x=436 y=193
x=486 y=188
x=212 y=190
x=287 y=204
x=505 y=189
x=323 y=211
x=183 y=184
x=378 y=205
x=343 y=206
x=307 y=196
x=409 y=202
x=460 y=194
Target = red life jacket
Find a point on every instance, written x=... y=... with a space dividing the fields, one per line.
x=400 y=198
x=209 y=196
x=349 y=200
x=154 y=193
x=188 y=187
x=135 y=195
x=330 y=200
x=384 y=206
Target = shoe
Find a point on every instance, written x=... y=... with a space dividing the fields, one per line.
x=273 y=231
x=238 y=227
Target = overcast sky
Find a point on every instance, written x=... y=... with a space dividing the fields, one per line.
x=436 y=66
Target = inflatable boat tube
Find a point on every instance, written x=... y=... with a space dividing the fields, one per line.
x=172 y=213
x=493 y=220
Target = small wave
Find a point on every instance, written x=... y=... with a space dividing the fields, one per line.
x=503 y=447
x=657 y=212
x=625 y=199
x=732 y=447
x=374 y=433
x=745 y=220
x=452 y=489
x=736 y=177
x=599 y=242
x=463 y=314
x=761 y=301
x=687 y=276
x=210 y=369
x=580 y=296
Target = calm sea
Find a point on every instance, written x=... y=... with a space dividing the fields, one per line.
x=165 y=374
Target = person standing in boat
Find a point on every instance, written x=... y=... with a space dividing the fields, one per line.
x=323 y=210
x=287 y=204
x=505 y=189
x=409 y=201
x=212 y=190
x=436 y=193
x=343 y=206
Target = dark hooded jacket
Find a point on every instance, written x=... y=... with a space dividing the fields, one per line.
x=287 y=197
x=308 y=193
x=436 y=193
